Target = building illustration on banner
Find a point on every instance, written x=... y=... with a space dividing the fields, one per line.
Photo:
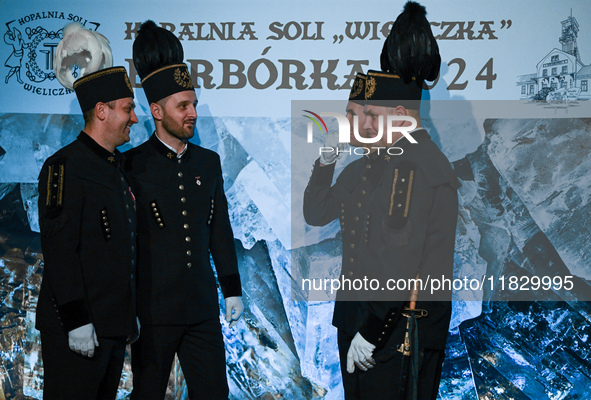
x=560 y=75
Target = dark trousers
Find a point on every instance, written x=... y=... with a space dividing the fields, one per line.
x=384 y=381
x=68 y=375
x=200 y=349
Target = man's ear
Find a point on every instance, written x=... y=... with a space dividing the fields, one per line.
x=156 y=110
x=400 y=110
x=100 y=111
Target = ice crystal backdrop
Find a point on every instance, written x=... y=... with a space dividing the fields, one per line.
x=524 y=200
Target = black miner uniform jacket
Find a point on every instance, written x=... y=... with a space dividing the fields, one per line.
x=182 y=217
x=398 y=216
x=88 y=238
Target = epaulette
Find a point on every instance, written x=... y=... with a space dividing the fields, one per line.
x=56 y=174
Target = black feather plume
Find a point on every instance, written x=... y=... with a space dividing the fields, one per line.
x=410 y=50
x=154 y=48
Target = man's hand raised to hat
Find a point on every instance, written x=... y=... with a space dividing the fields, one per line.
x=332 y=149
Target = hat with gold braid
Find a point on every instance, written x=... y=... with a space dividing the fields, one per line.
x=380 y=86
x=158 y=59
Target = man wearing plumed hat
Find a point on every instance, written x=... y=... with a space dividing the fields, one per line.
x=182 y=219
x=86 y=306
x=398 y=210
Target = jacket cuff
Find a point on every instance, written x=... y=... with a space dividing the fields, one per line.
x=377 y=331
x=371 y=330
x=73 y=315
x=322 y=175
x=230 y=285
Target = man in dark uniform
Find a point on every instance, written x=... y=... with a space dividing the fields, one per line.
x=323 y=204
x=86 y=307
x=398 y=212
x=182 y=218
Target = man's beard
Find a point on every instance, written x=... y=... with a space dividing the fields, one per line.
x=177 y=130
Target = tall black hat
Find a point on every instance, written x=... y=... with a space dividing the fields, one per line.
x=158 y=59
x=410 y=55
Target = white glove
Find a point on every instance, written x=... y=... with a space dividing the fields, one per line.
x=234 y=308
x=83 y=340
x=361 y=354
x=327 y=156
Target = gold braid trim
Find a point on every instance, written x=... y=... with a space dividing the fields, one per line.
x=409 y=191
x=84 y=79
x=48 y=188
x=162 y=69
x=60 y=193
x=393 y=191
x=386 y=75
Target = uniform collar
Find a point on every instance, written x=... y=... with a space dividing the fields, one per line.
x=172 y=148
x=112 y=158
x=166 y=150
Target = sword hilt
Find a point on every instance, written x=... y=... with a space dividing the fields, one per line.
x=408 y=312
x=404 y=348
